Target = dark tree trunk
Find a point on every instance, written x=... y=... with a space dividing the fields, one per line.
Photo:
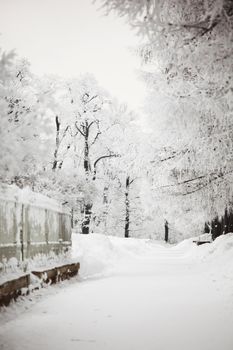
x=230 y=221
x=166 y=231
x=55 y=161
x=105 y=203
x=127 y=207
x=216 y=228
x=105 y=195
x=226 y=222
x=88 y=206
x=87 y=218
x=86 y=150
x=84 y=131
x=72 y=218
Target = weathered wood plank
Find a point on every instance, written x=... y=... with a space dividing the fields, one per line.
x=12 y=289
x=67 y=271
x=47 y=276
x=59 y=273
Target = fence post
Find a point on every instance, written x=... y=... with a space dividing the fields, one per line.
x=22 y=233
x=46 y=228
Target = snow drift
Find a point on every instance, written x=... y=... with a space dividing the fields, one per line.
x=102 y=255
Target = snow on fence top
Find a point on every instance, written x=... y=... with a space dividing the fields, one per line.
x=28 y=197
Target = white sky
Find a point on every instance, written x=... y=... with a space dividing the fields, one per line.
x=67 y=37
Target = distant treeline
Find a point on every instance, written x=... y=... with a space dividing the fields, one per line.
x=220 y=225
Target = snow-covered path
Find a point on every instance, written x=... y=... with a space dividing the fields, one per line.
x=158 y=300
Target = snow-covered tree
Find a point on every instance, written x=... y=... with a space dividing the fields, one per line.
x=121 y=210
x=25 y=126
x=86 y=123
x=188 y=68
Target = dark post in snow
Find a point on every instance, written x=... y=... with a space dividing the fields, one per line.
x=127 y=207
x=166 y=231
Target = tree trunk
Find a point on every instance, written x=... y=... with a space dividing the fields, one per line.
x=166 y=231
x=72 y=218
x=127 y=207
x=106 y=207
x=87 y=218
x=57 y=143
x=88 y=206
x=86 y=150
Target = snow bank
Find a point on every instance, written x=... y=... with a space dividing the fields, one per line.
x=27 y=196
x=100 y=254
x=94 y=252
x=222 y=247
x=218 y=254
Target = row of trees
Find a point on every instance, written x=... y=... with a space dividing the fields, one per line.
x=188 y=67
x=71 y=140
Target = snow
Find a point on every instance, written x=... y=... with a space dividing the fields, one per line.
x=27 y=196
x=131 y=294
x=14 y=269
x=100 y=255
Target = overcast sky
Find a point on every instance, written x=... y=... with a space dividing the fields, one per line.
x=67 y=37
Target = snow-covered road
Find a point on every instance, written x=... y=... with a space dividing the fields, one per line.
x=154 y=300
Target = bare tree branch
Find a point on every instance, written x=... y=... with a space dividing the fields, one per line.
x=132 y=181
x=88 y=100
x=219 y=176
x=93 y=122
x=64 y=132
x=172 y=156
x=185 y=181
x=96 y=137
x=209 y=180
x=92 y=98
x=112 y=155
x=79 y=130
x=96 y=109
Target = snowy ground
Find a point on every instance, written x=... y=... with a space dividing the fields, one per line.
x=130 y=295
